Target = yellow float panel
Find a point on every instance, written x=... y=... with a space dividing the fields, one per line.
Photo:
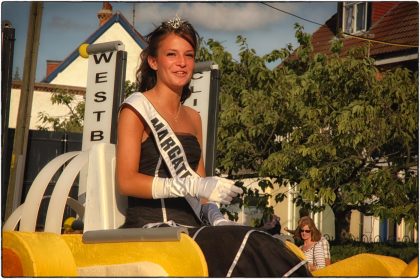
x=412 y=269
x=182 y=258
x=295 y=249
x=362 y=265
x=38 y=254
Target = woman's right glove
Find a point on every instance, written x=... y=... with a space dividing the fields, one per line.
x=213 y=188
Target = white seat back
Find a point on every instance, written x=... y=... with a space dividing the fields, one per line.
x=104 y=207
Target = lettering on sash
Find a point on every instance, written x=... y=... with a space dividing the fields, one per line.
x=173 y=152
x=169 y=146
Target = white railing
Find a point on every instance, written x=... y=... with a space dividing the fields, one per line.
x=104 y=207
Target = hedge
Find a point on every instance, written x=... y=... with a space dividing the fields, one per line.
x=405 y=251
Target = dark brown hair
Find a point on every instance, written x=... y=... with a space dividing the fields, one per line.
x=146 y=76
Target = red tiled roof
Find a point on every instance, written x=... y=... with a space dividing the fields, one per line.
x=48 y=87
x=380 y=8
x=321 y=39
x=399 y=25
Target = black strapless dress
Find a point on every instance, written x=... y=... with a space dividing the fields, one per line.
x=261 y=256
x=141 y=212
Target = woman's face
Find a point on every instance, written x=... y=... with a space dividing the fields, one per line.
x=174 y=63
x=305 y=232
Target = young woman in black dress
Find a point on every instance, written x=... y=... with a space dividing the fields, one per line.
x=160 y=166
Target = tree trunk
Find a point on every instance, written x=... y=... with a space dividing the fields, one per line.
x=342 y=225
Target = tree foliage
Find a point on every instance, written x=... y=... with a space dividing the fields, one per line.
x=342 y=132
x=252 y=113
x=71 y=122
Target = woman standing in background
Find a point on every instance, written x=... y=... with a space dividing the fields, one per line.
x=312 y=246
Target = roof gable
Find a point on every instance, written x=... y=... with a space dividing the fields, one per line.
x=116 y=18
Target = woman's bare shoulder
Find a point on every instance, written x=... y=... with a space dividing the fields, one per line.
x=195 y=115
x=195 y=120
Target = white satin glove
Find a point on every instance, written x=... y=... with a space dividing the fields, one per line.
x=213 y=188
x=211 y=213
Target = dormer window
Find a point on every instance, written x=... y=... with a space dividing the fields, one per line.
x=354 y=17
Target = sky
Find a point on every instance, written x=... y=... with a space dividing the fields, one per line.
x=65 y=25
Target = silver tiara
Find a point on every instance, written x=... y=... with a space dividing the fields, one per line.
x=176 y=22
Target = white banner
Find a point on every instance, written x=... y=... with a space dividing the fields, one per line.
x=99 y=99
x=199 y=100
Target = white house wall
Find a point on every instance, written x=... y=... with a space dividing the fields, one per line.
x=356 y=223
x=41 y=103
x=75 y=74
x=370 y=229
x=247 y=215
x=327 y=222
x=286 y=210
x=324 y=221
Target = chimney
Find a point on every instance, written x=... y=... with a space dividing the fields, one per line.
x=52 y=65
x=105 y=13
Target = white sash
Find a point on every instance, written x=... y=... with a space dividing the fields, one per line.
x=168 y=143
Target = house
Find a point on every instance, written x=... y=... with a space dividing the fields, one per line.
x=390 y=30
x=112 y=27
x=60 y=75
x=42 y=101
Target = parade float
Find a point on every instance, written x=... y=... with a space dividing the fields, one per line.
x=102 y=249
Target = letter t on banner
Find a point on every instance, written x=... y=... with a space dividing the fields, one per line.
x=104 y=94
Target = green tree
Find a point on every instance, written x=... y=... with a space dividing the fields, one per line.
x=327 y=125
x=252 y=113
x=71 y=122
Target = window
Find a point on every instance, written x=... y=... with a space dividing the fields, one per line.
x=354 y=17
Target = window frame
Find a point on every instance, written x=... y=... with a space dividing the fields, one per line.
x=354 y=7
